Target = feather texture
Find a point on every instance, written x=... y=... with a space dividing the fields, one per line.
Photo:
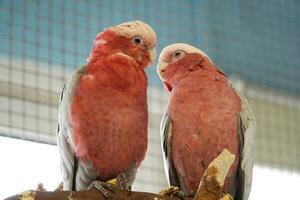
x=84 y=173
x=103 y=114
x=205 y=115
x=247 y=129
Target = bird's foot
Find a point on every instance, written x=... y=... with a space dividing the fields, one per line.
x=103 y=187
x=121 y=184
x=173 y=191
x=129 y=190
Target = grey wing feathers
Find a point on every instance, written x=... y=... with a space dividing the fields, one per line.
x=247 y=129
x=63 y=143
x=70 y=167
x=166 y=134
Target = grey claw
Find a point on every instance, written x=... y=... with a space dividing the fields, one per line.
x=192 y=194
x=102 y=188
x=129 y=190
x=110 y=187
x=181 y=195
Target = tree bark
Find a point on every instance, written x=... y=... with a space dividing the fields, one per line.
x=212 y=181
x=91 y=195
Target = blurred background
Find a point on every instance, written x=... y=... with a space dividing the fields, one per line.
x=255 y=42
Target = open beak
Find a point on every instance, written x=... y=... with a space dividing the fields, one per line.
x=152 y=53
x=161 y=66
x=167 y=86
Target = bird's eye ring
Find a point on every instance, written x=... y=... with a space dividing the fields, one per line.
x=178 y=54
x=137 y=40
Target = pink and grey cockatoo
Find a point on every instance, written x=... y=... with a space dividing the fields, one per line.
x=205 y=115
x=103 y=114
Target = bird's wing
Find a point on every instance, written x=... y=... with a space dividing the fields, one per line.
x=247 y=129
x=166 y=135
x=73 y=171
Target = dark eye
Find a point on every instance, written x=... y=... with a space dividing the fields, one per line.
x=137 y=40
x=178 y=54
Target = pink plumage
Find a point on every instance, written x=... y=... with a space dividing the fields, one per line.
x=203 y=109
x=202 y=118
x=109 y=116
x=108 y=113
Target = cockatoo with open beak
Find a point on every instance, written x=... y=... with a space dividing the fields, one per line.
x=103 y=114
x=205 y=115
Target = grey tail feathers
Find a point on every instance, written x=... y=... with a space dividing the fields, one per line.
x=74 y=174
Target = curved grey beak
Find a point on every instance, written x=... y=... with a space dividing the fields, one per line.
x=152 y=53
x=161 y=67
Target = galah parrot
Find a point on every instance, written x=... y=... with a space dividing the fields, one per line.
x=205 y=115
x=103 y=114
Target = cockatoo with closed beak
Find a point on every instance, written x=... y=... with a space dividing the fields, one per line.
x=103 y=114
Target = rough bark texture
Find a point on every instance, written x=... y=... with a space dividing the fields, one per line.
x=212 y=182
x=92 y=195
x=210 y=187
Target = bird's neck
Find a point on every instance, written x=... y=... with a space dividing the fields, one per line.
x=119 y=70
x=103 y=46
x=100 y=52
x=177 y=75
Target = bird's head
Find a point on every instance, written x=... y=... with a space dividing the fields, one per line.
x=177 y=60
x=135 y=39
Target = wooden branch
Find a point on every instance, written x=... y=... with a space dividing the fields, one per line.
x=91 y=195
x=212 y=181
x=210 y=187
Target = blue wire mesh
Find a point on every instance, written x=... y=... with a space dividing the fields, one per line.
x=41 y=42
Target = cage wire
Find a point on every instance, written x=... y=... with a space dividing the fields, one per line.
x=255 y=43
